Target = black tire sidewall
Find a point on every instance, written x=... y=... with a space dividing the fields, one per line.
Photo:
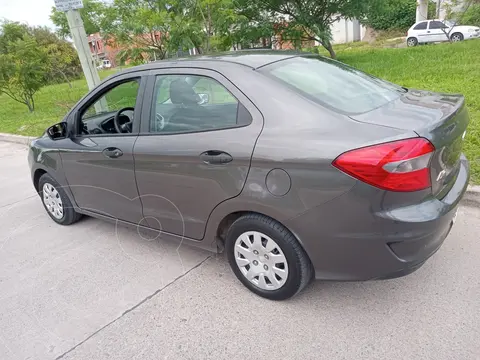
x=69 y=214
x=459 y=34
x=412 y=38
x=294 y=279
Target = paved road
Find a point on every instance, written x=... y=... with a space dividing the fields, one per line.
x=87 y=292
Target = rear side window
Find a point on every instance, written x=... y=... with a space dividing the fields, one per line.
x=193 y=103
x=437 y=25
x=333 y=84
x=421 y=26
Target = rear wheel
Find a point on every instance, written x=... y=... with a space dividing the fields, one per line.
x=412 y=42
x=267 y=258
x=456 y=37
x=56 y=202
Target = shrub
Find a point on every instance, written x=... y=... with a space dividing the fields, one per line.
x=396 y=14
x=471 y=16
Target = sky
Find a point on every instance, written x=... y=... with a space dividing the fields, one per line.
x=33 y=12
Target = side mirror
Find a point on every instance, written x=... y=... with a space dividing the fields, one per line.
x=204 y=99
x=57 y=131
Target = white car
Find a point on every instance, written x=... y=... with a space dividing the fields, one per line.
x=429 y=31
x=104 y=65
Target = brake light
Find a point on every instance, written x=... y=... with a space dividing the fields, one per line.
x=396 y=166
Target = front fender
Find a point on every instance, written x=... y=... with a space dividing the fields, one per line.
x=43 y=156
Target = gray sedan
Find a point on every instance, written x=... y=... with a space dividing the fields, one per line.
x=297 y=166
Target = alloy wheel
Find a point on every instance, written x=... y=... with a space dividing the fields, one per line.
x=456 y=38
x=261 y=260
x=52 y=200
x=411 y=42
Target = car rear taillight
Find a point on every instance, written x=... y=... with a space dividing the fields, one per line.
x=396 y=166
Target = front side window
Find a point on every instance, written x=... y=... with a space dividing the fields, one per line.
x=99 y=117
x=421 y=26
x=333 y=84
x=190 y=103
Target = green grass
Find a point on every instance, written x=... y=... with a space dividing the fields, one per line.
x=451 y=68
x=51 y=104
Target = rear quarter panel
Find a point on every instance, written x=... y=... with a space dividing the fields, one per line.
x=303 y=139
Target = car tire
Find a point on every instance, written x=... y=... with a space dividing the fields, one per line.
x=281 y=266
x=456 y=37
x=56 y=202
x=412 y=42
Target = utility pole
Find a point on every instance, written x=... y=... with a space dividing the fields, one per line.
x=422 y=10
x=439 y=5
x=79 y=36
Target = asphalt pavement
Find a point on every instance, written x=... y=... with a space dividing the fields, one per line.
x=96 y=291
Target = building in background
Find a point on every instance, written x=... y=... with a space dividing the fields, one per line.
x=101 y=50
x=345 y=31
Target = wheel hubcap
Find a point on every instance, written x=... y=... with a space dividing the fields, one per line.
x=411 y=42
x=52 y=201
x=261 y=260
x=456 y=38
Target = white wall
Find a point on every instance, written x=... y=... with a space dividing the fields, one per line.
x=343 y=31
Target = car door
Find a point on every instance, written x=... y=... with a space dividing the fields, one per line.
x=98 y=160
x=194 y=150
x=436 y=31
x=421 y=32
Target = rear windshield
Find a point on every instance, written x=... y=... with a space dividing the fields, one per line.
x=333 y=84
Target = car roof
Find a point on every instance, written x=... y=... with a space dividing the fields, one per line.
x=250 y=58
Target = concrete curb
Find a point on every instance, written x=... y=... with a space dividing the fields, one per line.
x=472 y=196
x=17 y=139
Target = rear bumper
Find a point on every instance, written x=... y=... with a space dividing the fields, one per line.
x=349 y=238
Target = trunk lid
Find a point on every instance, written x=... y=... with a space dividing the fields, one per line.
x=440 y=118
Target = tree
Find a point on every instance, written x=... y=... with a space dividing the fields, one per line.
x=92 y=14
x=23 y=64
x=309 y=19
x=471 y=16
x=63 y=60
x=143 y=27
x=31 y=57
x=219 y=20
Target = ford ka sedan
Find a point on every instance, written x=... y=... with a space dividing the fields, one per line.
x=297 y=166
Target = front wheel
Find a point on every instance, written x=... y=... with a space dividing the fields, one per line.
x=56 y=202
x=267 y=258
x=456 y=37
x=412 y=42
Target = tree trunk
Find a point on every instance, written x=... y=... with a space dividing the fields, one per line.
x=65 y=78
x=209 y=27
x=329 y=48
x=30 y=104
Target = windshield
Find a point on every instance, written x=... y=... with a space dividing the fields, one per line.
x=333 y=84
x=449 y=23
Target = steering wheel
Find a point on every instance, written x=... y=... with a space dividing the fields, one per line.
x=122 y=128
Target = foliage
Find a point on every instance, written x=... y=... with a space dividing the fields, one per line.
x=471 y=16
x=63 y=60
x=92 y=13
x=395 y=14
x=24 y=62
x=307 y=20
x=149 y=28
x=222 y=24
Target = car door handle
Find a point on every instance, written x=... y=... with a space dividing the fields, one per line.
x=112 y=152
x=216 y=157
x=428 y=32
